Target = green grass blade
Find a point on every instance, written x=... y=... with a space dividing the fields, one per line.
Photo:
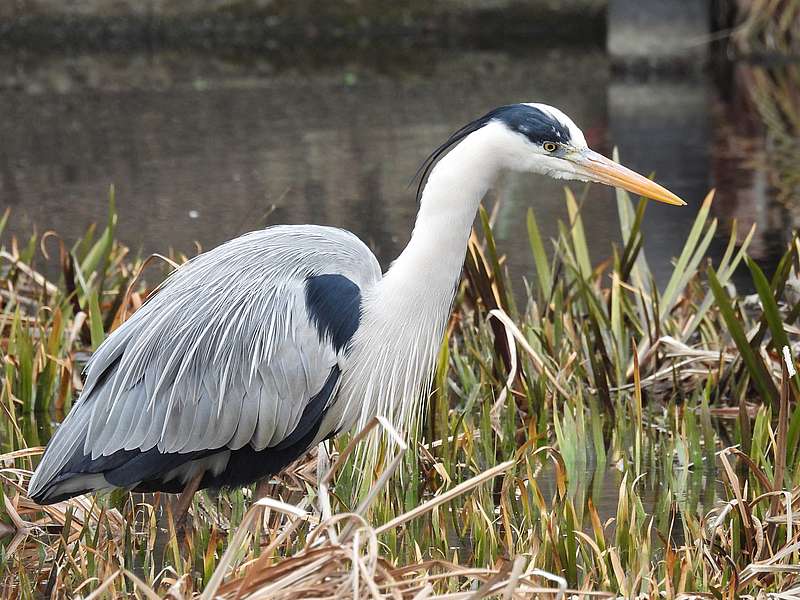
x=771 y=311
x=539 y=254
x=770 y=307
x=98 y=255
x=95 y=320
x=494 y=260
x=578 y=235
x=755 y=366
x=627 y=220
x=724 y=276
x=4 y=220
x=673 y=287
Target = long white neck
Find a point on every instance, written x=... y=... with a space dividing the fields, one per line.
x=404 y=315
x=428 y=269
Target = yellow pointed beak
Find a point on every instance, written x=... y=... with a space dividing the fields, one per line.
x=597 y=167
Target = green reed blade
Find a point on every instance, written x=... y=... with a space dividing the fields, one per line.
x=755 y=366
x=689 y=250
x=578 y=235
x=539 y=255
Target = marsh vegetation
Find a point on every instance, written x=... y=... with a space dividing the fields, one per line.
x=596 y=430
x=678 y=401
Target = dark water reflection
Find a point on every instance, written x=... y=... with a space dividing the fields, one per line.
x=666 y=496
x=200 y=148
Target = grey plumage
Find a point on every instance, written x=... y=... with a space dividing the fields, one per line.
x=216 y=359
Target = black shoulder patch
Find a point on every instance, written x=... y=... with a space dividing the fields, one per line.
x=535 y=124
x=334 y=305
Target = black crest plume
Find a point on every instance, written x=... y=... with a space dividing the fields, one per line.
x=425 y=168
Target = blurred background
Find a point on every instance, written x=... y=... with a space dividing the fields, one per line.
x=216 y=117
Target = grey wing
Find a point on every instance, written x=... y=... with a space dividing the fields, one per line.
x=227 y=355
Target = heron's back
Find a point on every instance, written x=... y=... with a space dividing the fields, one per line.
x=228 y=368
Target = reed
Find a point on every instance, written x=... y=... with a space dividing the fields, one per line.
x=768 y=27
x=593 y=435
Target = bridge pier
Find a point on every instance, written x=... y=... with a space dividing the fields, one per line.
x=659 y=33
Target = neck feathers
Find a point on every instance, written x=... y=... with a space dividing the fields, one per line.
x=404 y=315
x=454 y=190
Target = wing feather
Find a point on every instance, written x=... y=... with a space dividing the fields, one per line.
x=267 y=411
x=122 y=426
x=202 y=417
x=248 y=419
x=187 y=419
x=224 y=354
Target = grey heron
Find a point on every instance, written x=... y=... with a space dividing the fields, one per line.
x=253 y=352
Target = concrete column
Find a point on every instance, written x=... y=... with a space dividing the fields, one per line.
x=658 y=32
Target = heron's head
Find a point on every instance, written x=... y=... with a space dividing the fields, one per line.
x=541 y=139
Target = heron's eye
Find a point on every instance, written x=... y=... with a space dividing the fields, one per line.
x=550 y=146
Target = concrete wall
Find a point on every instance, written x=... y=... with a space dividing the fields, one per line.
x=172 y=8
x=263 y=24
x=657 y=32
x=639 y=32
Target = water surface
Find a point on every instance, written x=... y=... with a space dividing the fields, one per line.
x=203 y=147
